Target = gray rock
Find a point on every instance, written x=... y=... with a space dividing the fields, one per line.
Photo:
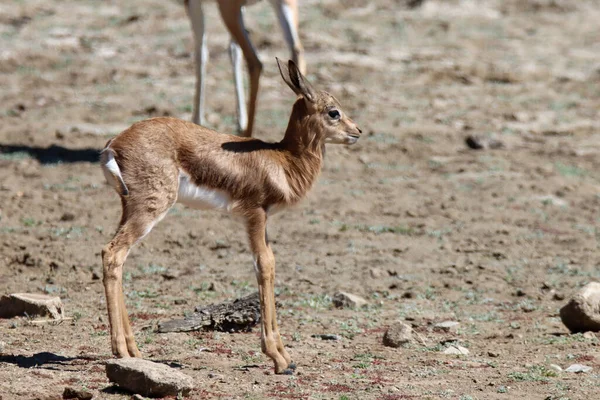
x=397 y=334
x=582 y=312
x=148 y=378
x=446 y=326
x=578 y=368
x=456 y=350
x=348 y=300
x=20 y=304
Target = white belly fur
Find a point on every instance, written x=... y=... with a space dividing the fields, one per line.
x=201 y=197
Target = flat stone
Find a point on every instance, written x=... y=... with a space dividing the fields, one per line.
x=397 y=334
x=31 y=304
x=148 y=378
x=456 y=350
x=348 y=300
x=578 y=368
x=446 y=326
x=582 y=312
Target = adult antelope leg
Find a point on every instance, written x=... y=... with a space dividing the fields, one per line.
x=232 y=15
x=264 y=263
x=196 y=14
x=287 y=13
x=235 y=54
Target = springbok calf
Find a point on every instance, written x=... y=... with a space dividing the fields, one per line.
x=232 y=15
x=161 y=161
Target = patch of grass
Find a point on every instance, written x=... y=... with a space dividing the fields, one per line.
x=16 y=156
x=350 y=329
x=490 y=316
x=144 y=294
x=151 y=269
x=365 y=360
x=440 y=233
x=424 y=139
x=29 y=222
x=149 y=338
x=193 y=343
x=77 y=316
x=536 y=373
x=562 y=267
x=54 y=289
x=317 y=302
x=242 y=288
x=430 y=293
x=565 y=339
x=68 y=233
x=204 y=287
x=64 y=187
x=570 y=170
x=251 y=357
x=379 y=229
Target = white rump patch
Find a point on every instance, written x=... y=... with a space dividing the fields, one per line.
x=201 y=197
x=111 y=170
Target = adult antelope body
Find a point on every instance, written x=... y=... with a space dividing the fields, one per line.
x=161 y=161
x=232 y=15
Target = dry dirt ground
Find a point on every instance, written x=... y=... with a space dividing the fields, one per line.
x=410 y=218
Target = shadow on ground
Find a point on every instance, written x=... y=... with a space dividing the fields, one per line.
x=39 y=360
x=50 y=155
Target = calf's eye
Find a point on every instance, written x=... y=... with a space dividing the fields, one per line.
x=334 y=114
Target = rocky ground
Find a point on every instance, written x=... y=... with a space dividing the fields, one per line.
x=412 y=218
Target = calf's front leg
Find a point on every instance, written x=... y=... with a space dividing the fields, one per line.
x=264 y=264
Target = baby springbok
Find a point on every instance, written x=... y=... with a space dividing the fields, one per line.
x=161 y=161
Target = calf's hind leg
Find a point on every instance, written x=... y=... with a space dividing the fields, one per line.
x=137 y=221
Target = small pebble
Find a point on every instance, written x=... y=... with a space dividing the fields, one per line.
x=68 y=216
x=555 y=367
x=456 y=350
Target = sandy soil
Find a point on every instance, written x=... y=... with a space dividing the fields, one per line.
x=410 y=218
